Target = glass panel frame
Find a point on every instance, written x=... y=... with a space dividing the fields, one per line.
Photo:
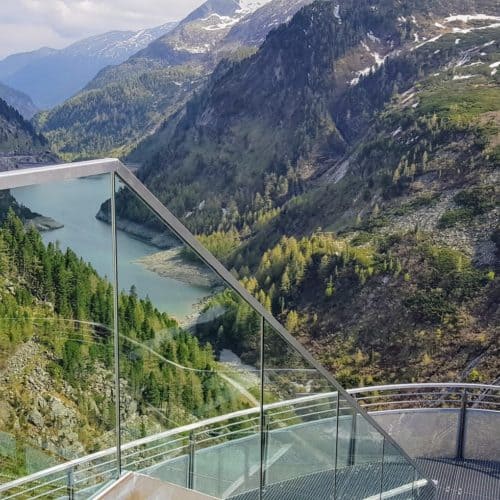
x=189 y=358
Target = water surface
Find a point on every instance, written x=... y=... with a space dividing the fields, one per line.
x=75 y=203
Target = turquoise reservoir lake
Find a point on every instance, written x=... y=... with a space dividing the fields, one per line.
x=75 y=203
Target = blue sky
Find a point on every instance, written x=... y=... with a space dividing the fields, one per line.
x=31 y=24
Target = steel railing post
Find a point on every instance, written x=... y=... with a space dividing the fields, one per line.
x=351 y=457
x=461 y=426
x=265 y=449
x=71 y=484
x=220 y=474
x=191 y=458
x=116 y=333
x=246 y=472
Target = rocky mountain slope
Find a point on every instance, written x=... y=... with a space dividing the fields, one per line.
x=158 y=80
x=50 y=76
x=376 y=120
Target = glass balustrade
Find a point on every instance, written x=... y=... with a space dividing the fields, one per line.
x=191 y=355
x=57 y=386
x=214 y=395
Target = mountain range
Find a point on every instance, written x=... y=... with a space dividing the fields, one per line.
x=159 y=79
x=347 y=172
x=51 y=76
x=340 y=157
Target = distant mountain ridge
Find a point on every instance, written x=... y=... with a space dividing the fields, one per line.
x=201 y=31
x=159 y=79
x=18 y=100
x=50 y=76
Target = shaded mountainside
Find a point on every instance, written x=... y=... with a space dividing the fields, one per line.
x=18 y=100
x=376 y=120
x=157 y=81
x=20 y=143
x=16 y=134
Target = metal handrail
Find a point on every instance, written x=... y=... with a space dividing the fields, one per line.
x=444 y=385
x=74 y=464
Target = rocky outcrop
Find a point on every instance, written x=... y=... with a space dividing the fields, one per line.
x=43 y=223
x=43 y=412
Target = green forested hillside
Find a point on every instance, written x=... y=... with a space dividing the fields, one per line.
x=110 y=119
x=390 y=164
x=56 y=357
x=16 y=134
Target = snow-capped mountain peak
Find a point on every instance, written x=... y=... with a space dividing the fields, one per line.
x=117 y=45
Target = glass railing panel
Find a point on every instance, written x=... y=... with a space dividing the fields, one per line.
x=227 y=458
x=189 y=353
x=300 y=423
x=360 y=449
x=57 y=398
x=398 y=474
x=479 y=418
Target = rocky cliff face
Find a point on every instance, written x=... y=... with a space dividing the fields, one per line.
x=47 y=412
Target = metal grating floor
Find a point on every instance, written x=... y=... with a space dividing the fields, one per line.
x=350 y=483
x=456 y=480
x=464 y=479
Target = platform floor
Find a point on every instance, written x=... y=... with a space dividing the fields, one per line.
x=456 y=480
x=464 y=480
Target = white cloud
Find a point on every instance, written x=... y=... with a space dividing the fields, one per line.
x=30 y=24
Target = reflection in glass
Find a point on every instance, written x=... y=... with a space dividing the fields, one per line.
x=300 y=425
x=57 y=399
x=187 y=355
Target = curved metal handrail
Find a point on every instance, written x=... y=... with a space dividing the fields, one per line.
x=313 y=402
x=444 y=385
x=428 y=395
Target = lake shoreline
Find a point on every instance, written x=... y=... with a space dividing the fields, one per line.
x=73 y=205
x=171 y=264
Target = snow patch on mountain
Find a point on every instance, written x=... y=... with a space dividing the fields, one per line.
x=465 y=18
x=379 y=60
x=464 y=77
x=249 y=6
x=336 y=12
x=434 y=39
x=220 y=22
